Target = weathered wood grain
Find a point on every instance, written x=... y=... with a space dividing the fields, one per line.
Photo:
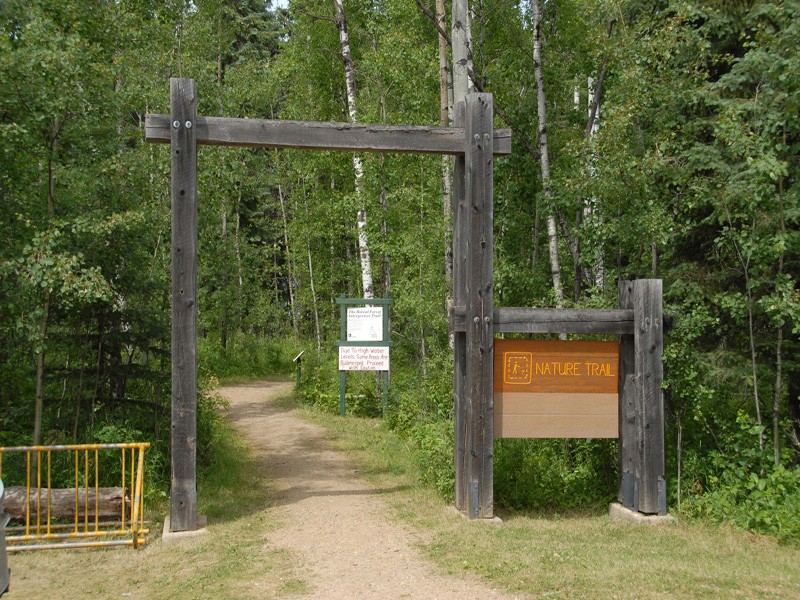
x=183 y=129
x=628 y=442
x=649 y=347
x=460 y=235
x=480 y=320
x=315 y=135
x=553 y=320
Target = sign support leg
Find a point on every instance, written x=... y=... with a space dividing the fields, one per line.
x=478 y=183
x=649 y=346
x=183 y=491
x=342 y=388
x=460 y=235
x=628 y=446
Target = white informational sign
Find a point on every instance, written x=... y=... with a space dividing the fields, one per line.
x=365 y=324
x=363 y=358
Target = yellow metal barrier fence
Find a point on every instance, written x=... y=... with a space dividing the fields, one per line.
x=41 y=525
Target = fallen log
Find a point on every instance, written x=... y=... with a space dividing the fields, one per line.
x=62 y=503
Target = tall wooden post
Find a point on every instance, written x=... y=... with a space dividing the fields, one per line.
x=478 y=180
x=648 y=335
x=460 y=236
x=183 y=141
x=628 y=446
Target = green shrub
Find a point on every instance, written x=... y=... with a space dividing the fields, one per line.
x=554 y=473
x=433 y=445
x=742 y=485
x=246 y=357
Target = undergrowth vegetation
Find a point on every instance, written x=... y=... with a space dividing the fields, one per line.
x=742 y=485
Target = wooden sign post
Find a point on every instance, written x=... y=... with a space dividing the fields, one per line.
x=639 y=323
x=364 y=342
x=183 y=146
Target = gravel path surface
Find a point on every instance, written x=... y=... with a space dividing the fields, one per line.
x=332 y=521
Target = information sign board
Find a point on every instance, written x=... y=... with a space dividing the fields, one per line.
x=363 y=358
x=365 y=324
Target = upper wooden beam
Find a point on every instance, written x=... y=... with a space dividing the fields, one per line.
x=554 y=320
x=314 y=135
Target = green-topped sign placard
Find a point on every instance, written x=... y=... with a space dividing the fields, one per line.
x=363 y=341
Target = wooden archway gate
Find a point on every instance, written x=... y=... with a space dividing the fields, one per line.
x=474 y=143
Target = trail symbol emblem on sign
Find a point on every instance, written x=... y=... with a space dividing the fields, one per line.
x=517 y=367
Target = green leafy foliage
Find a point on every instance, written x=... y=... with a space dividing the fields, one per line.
x=691 y=177
x=742 y=485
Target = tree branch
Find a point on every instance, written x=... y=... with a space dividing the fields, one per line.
x=599 y=92
x=432 y=18
x=313 y=16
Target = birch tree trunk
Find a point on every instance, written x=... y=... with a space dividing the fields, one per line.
x=590 y=215
x=445 y=120
x=544 y=155
x=361 y=219
x=462 y=84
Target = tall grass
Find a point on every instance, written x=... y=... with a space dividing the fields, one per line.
x=246 y=357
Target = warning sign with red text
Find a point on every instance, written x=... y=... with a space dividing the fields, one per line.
x=363 y=358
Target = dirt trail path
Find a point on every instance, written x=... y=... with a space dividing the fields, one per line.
x=332 y=521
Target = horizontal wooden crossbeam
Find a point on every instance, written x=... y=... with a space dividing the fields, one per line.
x=314 y=135
x=554 y=320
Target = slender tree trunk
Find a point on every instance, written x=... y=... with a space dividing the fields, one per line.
x=591 y=215
x=39 y=400
x=361 y=218
x=578 y=269
x=446 y=120
x=311 y=273
x=753 y=356
x=654 y=260
x=537 y=226
x=290 y=283
x=239 y=272
x=776 y=401
x=423 y=352
x=79 y=397
x=544 y=154
x=745 y=262
x=223 y=334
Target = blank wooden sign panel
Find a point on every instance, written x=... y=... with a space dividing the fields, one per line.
x=556 y=389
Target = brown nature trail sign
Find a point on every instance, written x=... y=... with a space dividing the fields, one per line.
x=556 y=389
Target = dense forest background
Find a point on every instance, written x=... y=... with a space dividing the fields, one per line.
x=673 y=131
